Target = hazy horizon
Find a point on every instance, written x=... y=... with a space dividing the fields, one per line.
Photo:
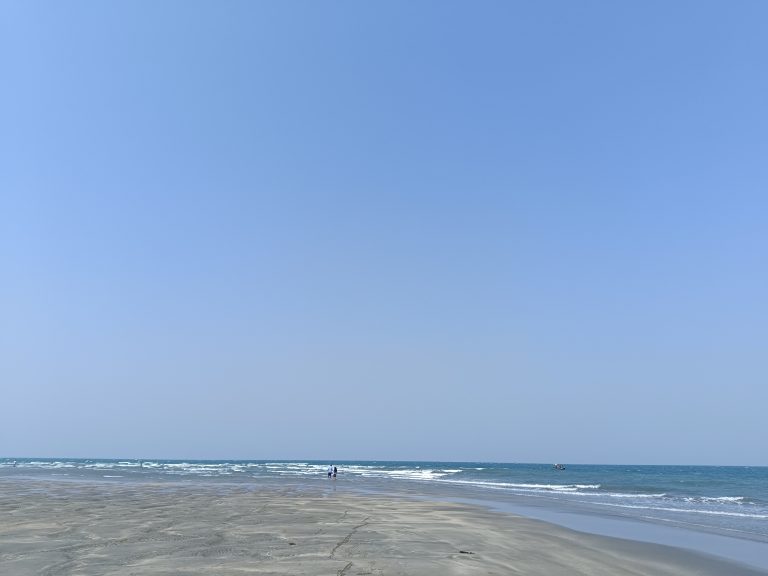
x=337 y=460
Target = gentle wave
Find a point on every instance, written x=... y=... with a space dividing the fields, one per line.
x=545 y=487
x=688 y=510
x=715 y=499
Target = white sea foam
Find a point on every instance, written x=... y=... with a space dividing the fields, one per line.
x=621 y=495
x=527 y=487
x=55 y=464
x=687 y=510
x=295 y=468
x=418 y=474
x=401 y=473
x=714 y=499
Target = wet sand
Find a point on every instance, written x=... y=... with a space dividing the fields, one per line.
x=51 y=528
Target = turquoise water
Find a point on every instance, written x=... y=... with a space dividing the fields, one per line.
x=725 y=500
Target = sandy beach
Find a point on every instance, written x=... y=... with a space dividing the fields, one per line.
x=52 y=528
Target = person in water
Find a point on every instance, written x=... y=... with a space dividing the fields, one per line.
x=335 y=470
x=330 y=470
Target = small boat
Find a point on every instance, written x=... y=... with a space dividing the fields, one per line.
x=559 y=466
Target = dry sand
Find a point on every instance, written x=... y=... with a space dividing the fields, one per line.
x=120 y=529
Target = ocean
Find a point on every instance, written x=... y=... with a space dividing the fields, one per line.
x=730 y=501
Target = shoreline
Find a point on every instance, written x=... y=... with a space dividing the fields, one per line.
x=55 y=527
x=738 y=547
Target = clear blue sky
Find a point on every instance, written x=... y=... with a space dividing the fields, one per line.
x=512 y=231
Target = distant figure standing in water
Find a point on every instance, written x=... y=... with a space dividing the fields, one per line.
x=334 y=472
x=330 y=470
